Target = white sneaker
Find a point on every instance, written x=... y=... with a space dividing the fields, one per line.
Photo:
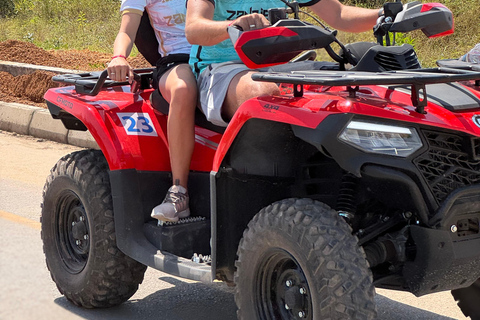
x=174 y=206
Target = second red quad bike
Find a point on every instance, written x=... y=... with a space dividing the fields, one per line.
x=363 y=173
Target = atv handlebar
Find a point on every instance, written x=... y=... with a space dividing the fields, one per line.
x=434 y=19
x=281 y=42
x=286 y=38
x=85 y=83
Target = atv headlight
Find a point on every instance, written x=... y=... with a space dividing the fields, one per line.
x=380 y=138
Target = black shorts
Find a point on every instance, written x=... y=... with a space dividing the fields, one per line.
x=166 y=63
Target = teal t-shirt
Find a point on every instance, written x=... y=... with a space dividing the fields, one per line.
x=202 y=56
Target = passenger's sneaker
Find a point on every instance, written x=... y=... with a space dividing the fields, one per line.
x=174 y=206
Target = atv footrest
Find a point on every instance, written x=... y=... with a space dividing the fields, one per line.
x=182 y=239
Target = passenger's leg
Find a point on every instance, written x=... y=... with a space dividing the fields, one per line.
x=178 y=86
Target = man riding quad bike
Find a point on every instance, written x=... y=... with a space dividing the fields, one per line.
x=363 y=174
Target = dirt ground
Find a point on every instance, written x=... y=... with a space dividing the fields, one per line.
x=29 y=89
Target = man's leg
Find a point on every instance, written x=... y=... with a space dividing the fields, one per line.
x=242 y=88
x=223 y=87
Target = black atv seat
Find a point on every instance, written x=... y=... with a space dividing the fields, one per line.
x=457 y=64
x=146 y=41
x=160 y=104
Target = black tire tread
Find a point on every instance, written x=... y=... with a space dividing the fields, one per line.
x=336 y=261
x=112 y=277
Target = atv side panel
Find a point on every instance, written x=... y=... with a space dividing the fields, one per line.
x=134 y=195
x=252 y=176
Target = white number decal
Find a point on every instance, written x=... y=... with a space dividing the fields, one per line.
x=137 y=124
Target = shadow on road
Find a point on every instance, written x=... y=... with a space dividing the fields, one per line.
x=183 y=301
x=198 y=301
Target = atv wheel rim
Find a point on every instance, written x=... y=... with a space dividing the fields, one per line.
x=282 y=288
x=73 y=240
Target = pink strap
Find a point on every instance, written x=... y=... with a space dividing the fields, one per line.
x=119 y=56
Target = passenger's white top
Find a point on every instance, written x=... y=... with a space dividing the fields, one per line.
x=168 y=20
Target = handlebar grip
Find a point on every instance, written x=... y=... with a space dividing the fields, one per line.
x=236 y=26
x=81 y=86
x=276 y=14
x=391 y=9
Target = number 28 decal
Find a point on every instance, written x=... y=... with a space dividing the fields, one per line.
x=137 y=124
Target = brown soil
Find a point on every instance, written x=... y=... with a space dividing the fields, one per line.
x=26 y=89
x=29 y=89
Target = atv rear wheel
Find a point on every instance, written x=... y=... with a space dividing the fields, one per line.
x=78 y=233
x=298 y=260
x=468 y=300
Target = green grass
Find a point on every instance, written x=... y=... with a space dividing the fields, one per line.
x=465 y=37
x=63 y=24
x=93 y=25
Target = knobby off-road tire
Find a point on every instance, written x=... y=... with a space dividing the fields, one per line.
x=298 y=260
x=469 y=300
x=78 y=233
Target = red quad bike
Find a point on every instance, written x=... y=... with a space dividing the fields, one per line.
x=363 y=173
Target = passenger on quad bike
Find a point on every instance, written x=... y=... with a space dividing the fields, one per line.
x=173 y=79
x=206 y=29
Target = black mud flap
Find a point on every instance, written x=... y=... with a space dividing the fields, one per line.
x=441 y=263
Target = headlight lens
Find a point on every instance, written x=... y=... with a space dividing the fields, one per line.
x=382 y=139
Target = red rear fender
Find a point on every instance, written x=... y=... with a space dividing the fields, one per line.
x=130 y=133
x=123 y=124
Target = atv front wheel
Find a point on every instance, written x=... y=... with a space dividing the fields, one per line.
x=298 y=260
x=78 y=233
x=468 y=300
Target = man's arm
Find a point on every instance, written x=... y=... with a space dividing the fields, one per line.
x=345 y=18
x=202 y=30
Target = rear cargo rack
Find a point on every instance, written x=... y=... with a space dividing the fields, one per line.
x=90 y=83
x=416 y=78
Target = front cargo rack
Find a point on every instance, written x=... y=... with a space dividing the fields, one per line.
x=417 y=79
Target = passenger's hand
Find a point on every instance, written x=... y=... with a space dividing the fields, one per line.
x=252 y=21
x=118 y=70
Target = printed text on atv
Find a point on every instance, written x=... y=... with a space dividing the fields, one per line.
x=395 y=154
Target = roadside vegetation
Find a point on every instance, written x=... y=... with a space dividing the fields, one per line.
x=93 y=25
x=61 y=24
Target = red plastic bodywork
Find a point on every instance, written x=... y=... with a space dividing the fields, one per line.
x=101 y=115
x=264 y=33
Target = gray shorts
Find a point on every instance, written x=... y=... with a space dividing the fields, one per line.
x=214 y=80
x=213 y=85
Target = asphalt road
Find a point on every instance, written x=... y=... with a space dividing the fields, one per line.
x=27 y=292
